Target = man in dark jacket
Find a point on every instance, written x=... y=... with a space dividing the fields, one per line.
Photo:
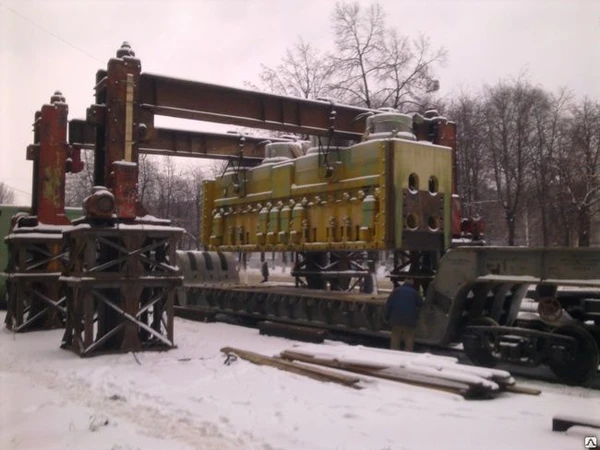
x=264 y=270
x=401 y=312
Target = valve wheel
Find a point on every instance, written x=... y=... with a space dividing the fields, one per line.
x=583 y=367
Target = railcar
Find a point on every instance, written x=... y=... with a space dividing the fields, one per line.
x=337 y=208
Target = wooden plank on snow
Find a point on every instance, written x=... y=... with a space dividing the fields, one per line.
x=197 y=314
x=563 y=423
x=299 y=333
x=311 y=372
x=521 y=390
x=406 y=377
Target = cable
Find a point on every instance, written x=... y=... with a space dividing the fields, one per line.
x=49 y=32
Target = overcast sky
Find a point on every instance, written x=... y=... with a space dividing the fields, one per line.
x=59 y=44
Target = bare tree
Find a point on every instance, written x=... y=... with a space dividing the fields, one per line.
x=7 y=195
x=303 y=72
x=376 y=66
x=371 y=65
x=165 y=190
x=147 y=177
x=509 y=138
x=537 y=155
x=468 y=112
x=166 y=186
x=359 y=40
x=548 y=112
x=79 y=185
x=175 y=194
x=579 y=166
x=407 y=76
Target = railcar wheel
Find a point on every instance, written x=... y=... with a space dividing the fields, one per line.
x=480 y=354
x=582 y=369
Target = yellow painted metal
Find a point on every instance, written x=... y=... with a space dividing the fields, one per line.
x=293 y=206
x=129 y=118
x=425 y=160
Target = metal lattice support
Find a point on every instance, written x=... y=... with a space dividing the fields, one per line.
x=35 y=294
x=36 y=252
x=121 y=285
x=418 y=265
x=342 y=271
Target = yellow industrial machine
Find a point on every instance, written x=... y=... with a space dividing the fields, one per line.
x=387 y=192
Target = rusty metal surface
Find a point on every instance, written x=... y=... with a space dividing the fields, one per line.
x=125 y=189
x=446 y=135
x=121 y=284
x=173 y=142
x=34 y=292
x=203 y=101
x=116 y=115
x=430 y=209
x=190 y=143
x=36 y=253
x=49 y=154
x=34 y=302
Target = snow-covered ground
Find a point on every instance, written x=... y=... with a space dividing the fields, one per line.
x=187 y=398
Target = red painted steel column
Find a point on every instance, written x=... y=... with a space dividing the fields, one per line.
x=121 y=130
x=49 y=154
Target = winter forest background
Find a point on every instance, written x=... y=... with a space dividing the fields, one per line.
x=528 y=158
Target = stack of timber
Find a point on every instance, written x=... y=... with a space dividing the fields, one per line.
x=336 y=363
x=424 y=370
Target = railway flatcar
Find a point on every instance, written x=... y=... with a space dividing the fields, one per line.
x=337 y=207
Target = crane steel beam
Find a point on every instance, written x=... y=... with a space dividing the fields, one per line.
x=208 y=102
x=173 y=142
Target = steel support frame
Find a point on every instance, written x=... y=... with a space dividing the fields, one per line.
x=417 y=265
x=343 y=271
x=35 y=294
x=34 y=244
x=122 y=276
x=97 y=320
x=120 y=289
